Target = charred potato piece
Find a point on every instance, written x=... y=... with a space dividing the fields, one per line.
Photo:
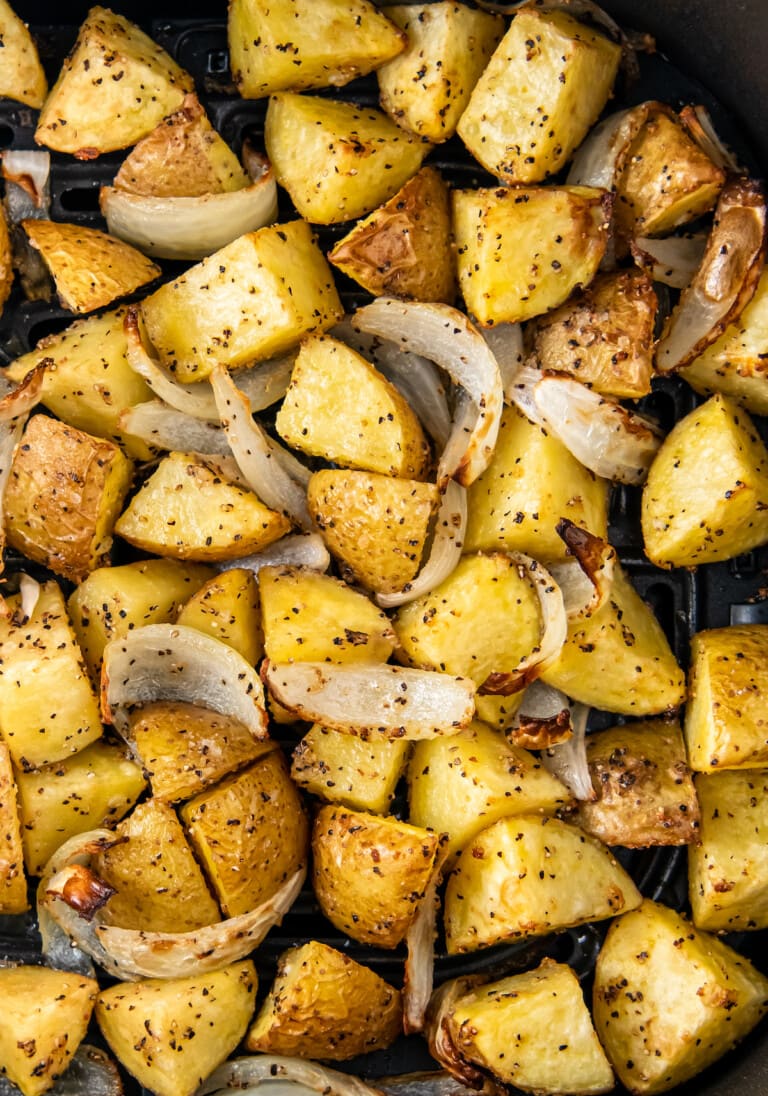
x=338 y=406
x=337 y=160
x=293 y=45
x=370 y=872
x=170 y=1034
x=64 y=493
x=499 y=890
x=403 y=248
x=13 y=883
x=323 y=1004
x=427 y=87
x=342 y=768
x=545 y=85
x=603 y=336
x=522 y=251
x=669 y=1000
x=645 y=793
x=278 y=288
x=689 y=518
x=460 y=785
x=188 y=510
x=40 y=721
x=6 y=255
x=725 y=723
x=45 y=1016
x=113 y=89
x=728 y=868
x=22 y=77
x=95 y=787
x=227 y=608
x=375 y=525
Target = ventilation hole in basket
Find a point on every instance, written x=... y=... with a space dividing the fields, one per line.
x=661 y=599
x=218 y=62
x=6 y=136
x=744 y=566
x=661 y=405
x=80 y=199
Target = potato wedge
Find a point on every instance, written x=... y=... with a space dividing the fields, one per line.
x=338 y=406
x=376 y=526
x=172 y=1033
x=370 y=872
x=293 y=45
x=689 y=518
x=188 y=510
x=114 y=88
x=342 y=768
x=13 y=882
x=426 y=88
x=95 y=787
x=499 y=890
x=460 y=785
x=6 y=254
x=277 y=287
x=337 y=160
x=227 y=608
x=323 y=1004
x=45 y=1016
x=22 y=77
x=523 y=251
x=645 y=793
x=670 y=1000
x=403 y=248
x=545 y=85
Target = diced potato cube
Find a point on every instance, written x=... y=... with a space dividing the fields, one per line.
x=343 y=768
x=227 y=608
x=21 y=77
x=6 y=255
x=13 y=882
x=545 y=85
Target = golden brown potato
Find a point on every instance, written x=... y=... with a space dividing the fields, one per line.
x=337 y=160
x=64 y=493
x=375 y=525
x=669 y=1000
x=342 y=768
x=189 y=510
x=299 y=44
x=172 y=1033
x=338 y=406
x=403 y=248
x=529 y=875
x=45 y=1016
x=427 y=87
x=227 y=608
x=21 y=76
x=113 y=89
x=13 y=882
x=6 y=255
x=252 y=299
x=522 y=252
x=645 y=794
x=370 y=872
x=545 y=85
x=603 y=336
x=690 y=518
x=323 y=1004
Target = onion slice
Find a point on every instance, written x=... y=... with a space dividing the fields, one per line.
x=568 y=760
x=90 y=1072
x=506 y=343
x=164 y=427
x=425 y=1083
x=266 y=382
x=726 y=280
x=28 y=197
x=419 y=968
x=175 y=662
x=587 y=579
x=600 y=158
x=193 y=399
x=698 y=121
x=441 y=1045
x=543 y=719
x=672 y=261
x=272 y=1070
x=373 y=700
x=446 y=337
x=291 y=551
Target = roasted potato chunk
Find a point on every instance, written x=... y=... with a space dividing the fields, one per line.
x=337 y=160
x=403 y=248
x=427 y=87
x=338 y=406
x=22 y=77
x=278 y=288
x=172 y=1033
x=64 y=493
x=188 y=510
x=6 y=254
x=603 y=336
x=669 y=1000
x=293 y=45
x=545 y=85
x=645 y=793
x=523 y=251
x=13 y=883
x=45 y=1016
x=369 y=873
x=113 y=89
x=499 y=890
x=342 y=768
x=227 y=608
x=323 y=1004
x=689 y=518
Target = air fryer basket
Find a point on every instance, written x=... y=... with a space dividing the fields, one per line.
x=719 y=45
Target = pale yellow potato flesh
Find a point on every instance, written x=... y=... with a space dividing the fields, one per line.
x=13 y=882
x=227 y=608
x=21 y=77
x=342 y=768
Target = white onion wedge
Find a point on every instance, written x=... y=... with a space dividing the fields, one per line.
x=373 y=700
x=191 y=227
x=23 y=397
x=419 y=967
x=293 y=551
x=698 y=121
x=446 y=337
x=440 y=1040
x=164 y=427
x=266 y=382
x=175 y=662
x=29 y=588
x=568 y=760
x=90 y=1072
x=726 y=280
x=27 y=175
x=672 y=261
x=445 y=552
x=601 y=157
x=506 y=343
x=193 y=399
x=587 y=578
x=273 y=1075
x=424 y=1083
x=543 y=719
